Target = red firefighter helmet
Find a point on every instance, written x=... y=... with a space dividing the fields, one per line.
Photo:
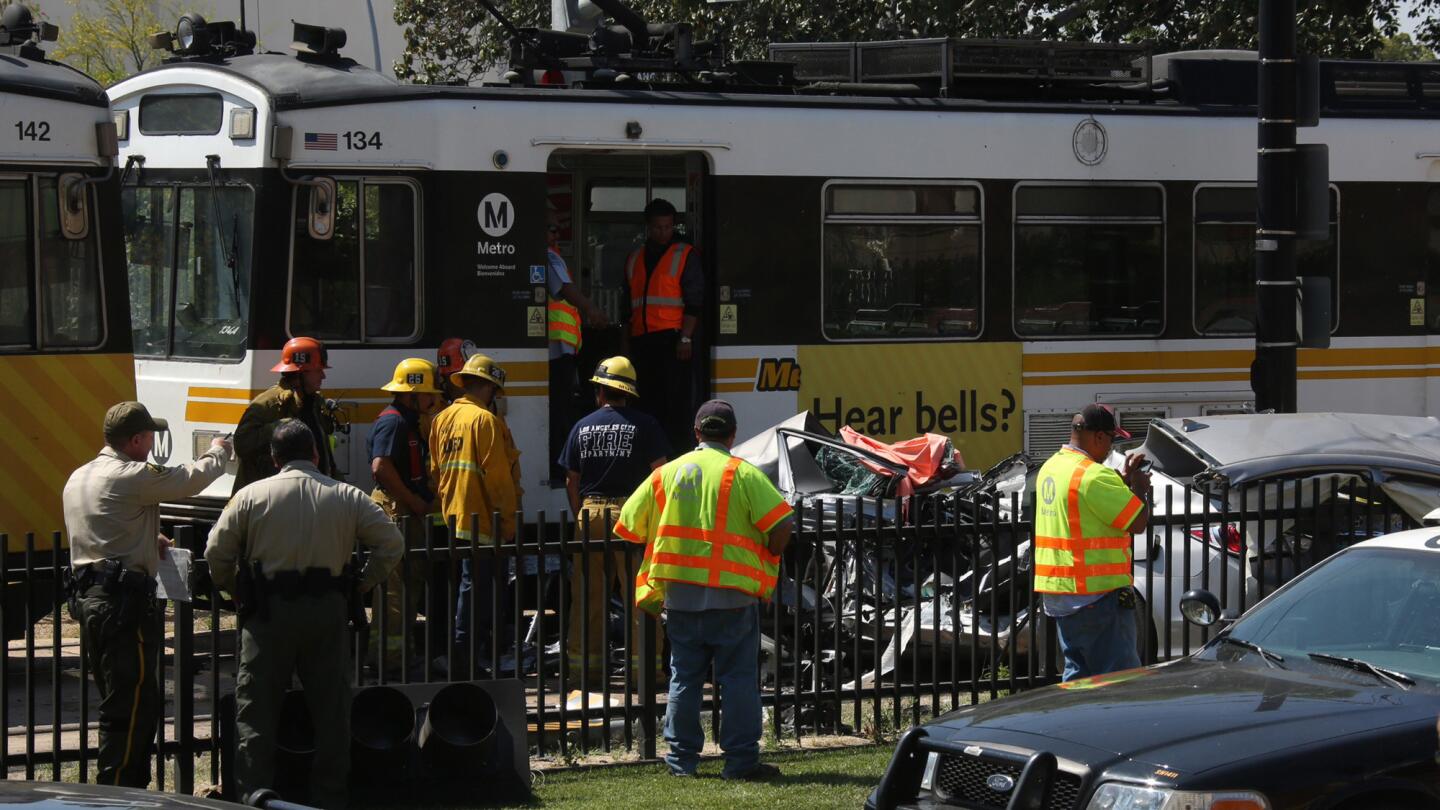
x=302 y=354
x=452 y=355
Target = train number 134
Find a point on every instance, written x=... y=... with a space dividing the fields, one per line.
x=361 y=140
x=33 y=130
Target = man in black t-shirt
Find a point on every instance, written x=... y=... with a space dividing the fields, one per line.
x=609 y=454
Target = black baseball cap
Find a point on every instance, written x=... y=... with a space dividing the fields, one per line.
x=1101 y=419
x=715 y=418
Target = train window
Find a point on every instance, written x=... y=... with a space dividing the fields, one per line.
x=1089 y=260
x=619 y=197
x=149 y=214
x=902 y=261
x=69 y=279
x=1224 y=273
x=17 y=296
x=188 y=250
x=361 y=284
x=181 y=113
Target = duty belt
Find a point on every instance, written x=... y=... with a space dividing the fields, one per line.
x=310 y=582
x=113 y=576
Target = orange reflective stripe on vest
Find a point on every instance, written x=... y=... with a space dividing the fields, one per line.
x=658 y=306
x=1076 y=563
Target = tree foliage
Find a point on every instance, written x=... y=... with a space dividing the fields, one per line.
x=108 y=38
x=1402 y=48
x=456 y=40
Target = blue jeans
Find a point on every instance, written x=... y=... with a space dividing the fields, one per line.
x=1098 y=638
x=731 y=639
x=481 y=588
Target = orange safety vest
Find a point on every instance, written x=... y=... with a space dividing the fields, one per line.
x=660 y=307
x=562 y=319
x=1076 y=551
x=721 y=548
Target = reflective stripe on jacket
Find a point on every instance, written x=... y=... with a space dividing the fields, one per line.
x=472 y=470
x=1082 y=516
x=704 y=518
x=660 y=305
x=562 y=320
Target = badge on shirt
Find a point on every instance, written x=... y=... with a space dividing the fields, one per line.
x=155 y=468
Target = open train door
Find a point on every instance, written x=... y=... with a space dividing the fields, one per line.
x=598 y=199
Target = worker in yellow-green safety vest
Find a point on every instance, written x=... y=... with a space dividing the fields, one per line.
x=563 y=308
x=714 y=528
x=1085 y=515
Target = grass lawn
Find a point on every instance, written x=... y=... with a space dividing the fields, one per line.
x=811 y=779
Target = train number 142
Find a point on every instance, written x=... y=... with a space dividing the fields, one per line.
x=33 y=130
x=360 y=140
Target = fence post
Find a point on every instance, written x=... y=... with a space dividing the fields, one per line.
x=184 y=683
x=647 y=688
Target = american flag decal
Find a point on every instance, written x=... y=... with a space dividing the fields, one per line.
x=323 y=141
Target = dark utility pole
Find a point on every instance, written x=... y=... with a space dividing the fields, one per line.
x=1276 y=287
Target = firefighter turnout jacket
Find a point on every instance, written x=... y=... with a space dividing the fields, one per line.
x=471 y=467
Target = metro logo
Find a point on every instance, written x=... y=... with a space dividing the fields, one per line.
x=778 y=374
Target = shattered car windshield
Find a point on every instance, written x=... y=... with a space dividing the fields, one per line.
x=849 y=475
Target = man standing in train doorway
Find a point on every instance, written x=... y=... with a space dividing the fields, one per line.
x=667 y=295
x=564 y=306
x=296 y=396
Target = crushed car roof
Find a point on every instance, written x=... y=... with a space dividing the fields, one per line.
x=1245 y=447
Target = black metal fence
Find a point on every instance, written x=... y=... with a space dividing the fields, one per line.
x=888 y=612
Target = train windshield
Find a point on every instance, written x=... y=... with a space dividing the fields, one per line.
x=188 y=249
x=46 y=280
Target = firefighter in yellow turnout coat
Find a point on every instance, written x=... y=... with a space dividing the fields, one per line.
x=472 y=469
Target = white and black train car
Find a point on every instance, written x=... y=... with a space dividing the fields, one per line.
x=969 y=251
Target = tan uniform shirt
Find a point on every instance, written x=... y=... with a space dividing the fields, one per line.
x=299 y=519
x=112 y=505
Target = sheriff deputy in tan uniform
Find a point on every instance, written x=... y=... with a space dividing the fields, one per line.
x=294 y=534
x=112 y=514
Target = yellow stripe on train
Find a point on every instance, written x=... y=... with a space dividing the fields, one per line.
x=54 y=405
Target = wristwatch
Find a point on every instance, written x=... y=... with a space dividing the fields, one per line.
x=686 y=339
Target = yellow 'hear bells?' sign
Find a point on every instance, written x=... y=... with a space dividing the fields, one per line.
x=967 y=391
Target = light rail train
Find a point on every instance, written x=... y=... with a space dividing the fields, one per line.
x=967 y=238
x=64 y=306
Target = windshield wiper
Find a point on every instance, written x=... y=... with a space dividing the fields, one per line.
x=1275 y=660
x=1400 y=679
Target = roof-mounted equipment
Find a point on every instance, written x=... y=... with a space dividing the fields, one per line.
x=194 y=37
x=21 y=34
x=316 y=42
x=979 y=68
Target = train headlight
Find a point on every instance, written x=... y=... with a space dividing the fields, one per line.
x=242 y=123
x=192 y=33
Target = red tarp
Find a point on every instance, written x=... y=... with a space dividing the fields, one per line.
x=926 y=456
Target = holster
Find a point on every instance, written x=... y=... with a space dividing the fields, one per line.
x=132 y=593
x=248 y=597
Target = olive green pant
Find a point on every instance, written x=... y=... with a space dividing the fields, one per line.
x=124 y=661
x=304 y=635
